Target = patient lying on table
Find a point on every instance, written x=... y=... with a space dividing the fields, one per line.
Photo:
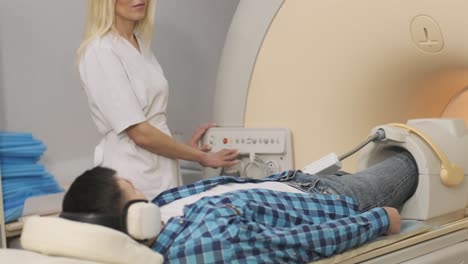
x=289 y=217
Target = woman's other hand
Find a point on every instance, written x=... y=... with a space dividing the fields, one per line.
x=197 y=136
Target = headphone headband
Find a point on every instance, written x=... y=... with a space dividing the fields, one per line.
x=140 y=219
x=111 y=221
x=450 y=173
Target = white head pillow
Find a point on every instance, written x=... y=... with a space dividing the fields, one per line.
x=66 y=238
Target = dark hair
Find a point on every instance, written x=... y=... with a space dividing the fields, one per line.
x=94 y=191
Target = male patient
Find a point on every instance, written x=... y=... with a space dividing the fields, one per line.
x=289 y=217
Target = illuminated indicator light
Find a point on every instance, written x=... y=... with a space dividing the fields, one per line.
x=225 y=140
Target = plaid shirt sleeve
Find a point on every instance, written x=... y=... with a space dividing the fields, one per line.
x=339 y=235
x=262 y=226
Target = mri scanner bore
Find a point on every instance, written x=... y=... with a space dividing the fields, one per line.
x=458 y=106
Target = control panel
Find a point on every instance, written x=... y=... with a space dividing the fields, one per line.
x=263 y=151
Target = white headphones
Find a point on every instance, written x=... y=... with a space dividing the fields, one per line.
x=141 y=219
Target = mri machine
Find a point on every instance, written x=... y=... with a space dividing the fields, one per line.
x=333 y=71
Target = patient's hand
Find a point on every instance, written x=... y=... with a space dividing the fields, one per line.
x=395 y=220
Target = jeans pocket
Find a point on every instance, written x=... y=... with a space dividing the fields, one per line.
x=290 y=175
x=320 y=187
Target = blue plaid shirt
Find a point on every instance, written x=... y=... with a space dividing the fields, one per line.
x=263 y=226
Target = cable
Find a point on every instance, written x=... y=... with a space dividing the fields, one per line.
x=231 y=171
x=379 y=135
x=255 y=160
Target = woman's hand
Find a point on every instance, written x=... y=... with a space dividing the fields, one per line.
x=222 y=158
x=152 y=139
x=394 y=219
x=197 y=136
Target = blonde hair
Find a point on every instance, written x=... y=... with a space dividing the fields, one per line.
x=100 y=21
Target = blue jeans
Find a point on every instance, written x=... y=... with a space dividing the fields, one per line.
x=388 y=183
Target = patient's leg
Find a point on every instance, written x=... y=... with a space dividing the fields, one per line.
x=388 y=183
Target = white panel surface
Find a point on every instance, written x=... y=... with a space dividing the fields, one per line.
x=246 y=34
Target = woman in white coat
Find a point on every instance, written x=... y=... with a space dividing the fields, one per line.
x=127 y=95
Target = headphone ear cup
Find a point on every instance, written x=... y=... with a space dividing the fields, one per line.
x=143 y=220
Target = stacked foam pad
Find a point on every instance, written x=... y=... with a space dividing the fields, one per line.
x=22 y=176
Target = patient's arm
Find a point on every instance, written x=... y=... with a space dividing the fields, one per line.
x=345 y=233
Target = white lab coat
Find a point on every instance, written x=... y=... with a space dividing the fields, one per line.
x=124 y=88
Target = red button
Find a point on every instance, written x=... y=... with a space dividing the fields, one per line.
x=225 y=140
